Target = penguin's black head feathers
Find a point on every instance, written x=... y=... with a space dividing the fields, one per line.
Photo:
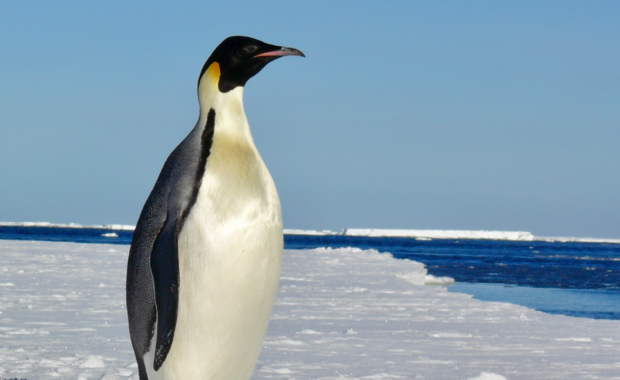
x=240 y=58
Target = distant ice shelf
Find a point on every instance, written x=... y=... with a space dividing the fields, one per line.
x=309 y=232
x=442 y=234
x=118 y=227
x=421 y=235
x=424 y=235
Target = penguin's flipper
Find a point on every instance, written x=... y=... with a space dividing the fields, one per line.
x=165 y=269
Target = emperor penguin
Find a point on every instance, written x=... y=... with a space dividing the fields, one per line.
x=205 y=258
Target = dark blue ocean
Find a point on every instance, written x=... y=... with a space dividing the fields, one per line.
x=573 y=279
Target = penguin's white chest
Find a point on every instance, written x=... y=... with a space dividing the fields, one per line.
x=230 y=255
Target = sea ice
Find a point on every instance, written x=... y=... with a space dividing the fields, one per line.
x=340 y=314
x=429 y=279
x=488 y=376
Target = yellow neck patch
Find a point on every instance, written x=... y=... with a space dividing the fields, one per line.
x=213 y=72
x=208 y=88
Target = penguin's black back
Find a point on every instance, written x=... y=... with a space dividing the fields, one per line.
x=173 y=190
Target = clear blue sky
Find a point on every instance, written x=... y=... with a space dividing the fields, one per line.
x=417 y=115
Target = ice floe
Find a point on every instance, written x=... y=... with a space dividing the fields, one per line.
x=429 y=279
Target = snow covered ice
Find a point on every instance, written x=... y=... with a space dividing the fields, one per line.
x=340 y=314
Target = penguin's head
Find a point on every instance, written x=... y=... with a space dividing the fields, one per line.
x=237 y=59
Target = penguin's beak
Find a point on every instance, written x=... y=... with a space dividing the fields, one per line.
x=281 y=52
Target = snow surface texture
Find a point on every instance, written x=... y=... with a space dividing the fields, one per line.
x=340 y=314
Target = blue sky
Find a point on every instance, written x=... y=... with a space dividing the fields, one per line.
x=416 y=115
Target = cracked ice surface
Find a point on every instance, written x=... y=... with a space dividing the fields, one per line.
x=340 y=314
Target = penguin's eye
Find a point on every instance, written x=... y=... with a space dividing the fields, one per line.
x=242 y=52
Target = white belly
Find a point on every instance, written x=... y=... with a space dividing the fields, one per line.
x=230 y=255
